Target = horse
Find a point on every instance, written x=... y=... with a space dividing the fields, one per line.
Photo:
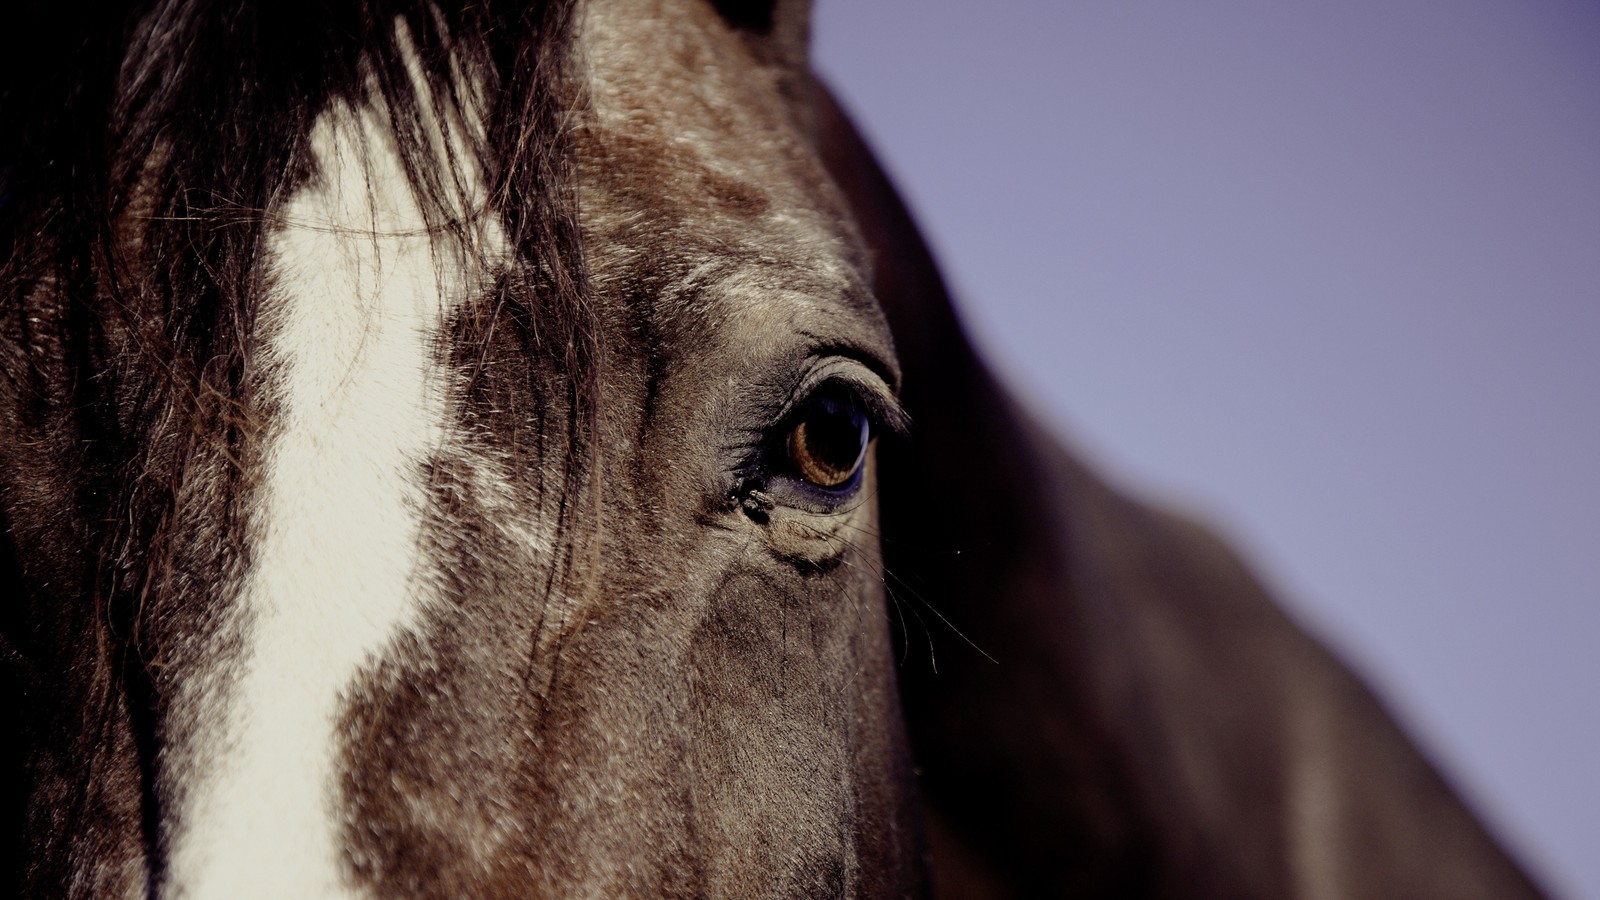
x=526 y=449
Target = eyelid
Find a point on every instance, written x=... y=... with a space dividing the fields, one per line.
x=882 y=408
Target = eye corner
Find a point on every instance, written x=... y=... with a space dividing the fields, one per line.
x=888 y=416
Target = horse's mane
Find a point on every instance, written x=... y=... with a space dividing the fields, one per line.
x=144 y=162
x=143 y=155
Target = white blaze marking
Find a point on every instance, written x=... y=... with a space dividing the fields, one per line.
x=352 y=325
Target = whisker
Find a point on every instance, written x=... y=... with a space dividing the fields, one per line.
x=887 y=574
x=951 y=625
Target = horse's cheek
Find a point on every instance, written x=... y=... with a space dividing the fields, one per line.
x=775 y=745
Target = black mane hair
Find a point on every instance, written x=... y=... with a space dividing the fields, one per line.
x=143 y=155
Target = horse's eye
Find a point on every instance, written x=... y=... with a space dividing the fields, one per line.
x=829 y=442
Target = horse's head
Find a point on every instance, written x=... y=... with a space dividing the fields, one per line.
x=493 y=510
x=651 y=653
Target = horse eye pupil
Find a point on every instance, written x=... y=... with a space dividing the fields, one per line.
x=827 y=446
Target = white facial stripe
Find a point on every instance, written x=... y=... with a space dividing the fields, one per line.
x=352 y=327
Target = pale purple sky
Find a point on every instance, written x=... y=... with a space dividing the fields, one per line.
x=1329 y=273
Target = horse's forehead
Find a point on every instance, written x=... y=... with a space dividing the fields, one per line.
x=692 y=167
x=655 y=61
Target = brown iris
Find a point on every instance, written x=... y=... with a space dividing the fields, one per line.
x=829 y=442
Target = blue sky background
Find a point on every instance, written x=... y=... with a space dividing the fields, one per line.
x=1329 y=273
